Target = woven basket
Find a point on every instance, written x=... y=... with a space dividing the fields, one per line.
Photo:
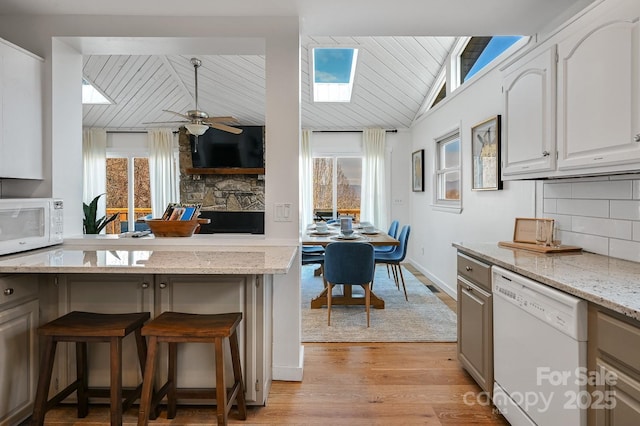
x=175 y=228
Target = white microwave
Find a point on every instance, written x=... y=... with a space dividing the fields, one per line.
x=30 y=223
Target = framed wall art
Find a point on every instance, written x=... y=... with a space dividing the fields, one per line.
x=417 y=170
x=485 y=147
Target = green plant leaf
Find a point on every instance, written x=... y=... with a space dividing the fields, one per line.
x=90 y=224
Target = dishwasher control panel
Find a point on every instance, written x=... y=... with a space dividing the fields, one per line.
x=560 y=310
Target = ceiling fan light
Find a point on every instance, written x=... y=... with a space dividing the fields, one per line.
x=196 y=129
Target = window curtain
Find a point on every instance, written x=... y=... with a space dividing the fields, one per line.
x=162 y=170
x=306 y=179
x=94 y=167
x=373 y=203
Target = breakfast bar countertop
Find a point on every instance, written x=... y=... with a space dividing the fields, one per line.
x=606 y=281
x=148 y=257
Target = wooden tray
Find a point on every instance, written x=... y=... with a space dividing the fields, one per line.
x=537 y=248
x=175 y=228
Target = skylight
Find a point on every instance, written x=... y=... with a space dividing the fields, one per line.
x=333 y=73
x=493 y=49
x=91 y=95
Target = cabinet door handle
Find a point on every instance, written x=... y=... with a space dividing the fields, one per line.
x=636 y=138
x=8 y=291
x=163 y=285
x=469 y=288
x=145 y=285
x=545 y=153
x=467 y=268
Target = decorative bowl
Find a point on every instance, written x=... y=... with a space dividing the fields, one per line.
x=175 y=228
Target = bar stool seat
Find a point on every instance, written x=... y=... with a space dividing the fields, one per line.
x=83 y=328
x=177 y=327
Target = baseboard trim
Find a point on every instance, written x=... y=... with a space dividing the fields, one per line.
x=444 y=286
x=290 y=374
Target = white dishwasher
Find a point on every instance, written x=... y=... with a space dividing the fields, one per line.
x=540 y=352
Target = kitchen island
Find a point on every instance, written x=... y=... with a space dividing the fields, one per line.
x=125 y=275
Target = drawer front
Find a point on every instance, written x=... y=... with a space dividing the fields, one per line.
x=619 y=340
x=475 y=270
x=15 y=287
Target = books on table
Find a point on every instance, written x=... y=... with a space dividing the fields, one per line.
x=178 y=211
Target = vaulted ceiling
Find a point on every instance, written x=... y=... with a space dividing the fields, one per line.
x=393 y=77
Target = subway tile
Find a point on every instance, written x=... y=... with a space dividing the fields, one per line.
x=606 y=190
x=592 y=208
x=557 y=190
x=591 y=243
x=623 y=249
x=562 y=221
x=604 y=227
x=636 y=231
x=621 y=209
x=550 y=205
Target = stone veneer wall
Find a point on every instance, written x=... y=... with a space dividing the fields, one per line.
x=218 y=192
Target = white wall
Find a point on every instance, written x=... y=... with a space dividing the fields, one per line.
x=487 y=216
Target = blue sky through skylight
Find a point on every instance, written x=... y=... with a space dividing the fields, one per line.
x=333 y=73
x=495 y=47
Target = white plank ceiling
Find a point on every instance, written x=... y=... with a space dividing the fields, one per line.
x=393 y=77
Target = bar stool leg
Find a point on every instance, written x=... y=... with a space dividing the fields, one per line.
x=147 y=382
x=82 y=379
x=172 y=379
x=44 y=381
x=221 y=388
x=237 y=375
x=116 y=380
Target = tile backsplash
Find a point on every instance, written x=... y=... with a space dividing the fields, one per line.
x=599 y=214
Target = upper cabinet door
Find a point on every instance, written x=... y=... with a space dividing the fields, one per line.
x=21 y=107
x=598 y=95
x=529 y=90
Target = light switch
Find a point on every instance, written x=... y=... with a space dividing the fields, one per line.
x=282 y=212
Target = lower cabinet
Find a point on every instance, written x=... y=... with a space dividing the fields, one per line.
x=249 y=294
x=19 y=317
x=614 y=367
x=475 y=320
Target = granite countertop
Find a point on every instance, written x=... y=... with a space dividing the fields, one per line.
x=143 y=258
x=609 y=282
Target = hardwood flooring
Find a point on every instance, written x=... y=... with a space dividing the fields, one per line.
x=350 y=384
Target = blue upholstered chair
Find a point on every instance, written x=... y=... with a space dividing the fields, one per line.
x=393 y=232
x=396 y=256
x=349 y=263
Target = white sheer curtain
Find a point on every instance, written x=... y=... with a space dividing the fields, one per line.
x=162 y=170
x=306 y=179
x=94 y=167
x=373 y=204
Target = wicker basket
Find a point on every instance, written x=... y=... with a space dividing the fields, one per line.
x=175 y=228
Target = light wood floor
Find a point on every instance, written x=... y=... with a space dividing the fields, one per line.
x=351 y=384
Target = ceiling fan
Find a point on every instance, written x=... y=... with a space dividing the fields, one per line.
x=199 y=121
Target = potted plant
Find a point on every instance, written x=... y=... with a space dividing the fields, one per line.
x=90 y=224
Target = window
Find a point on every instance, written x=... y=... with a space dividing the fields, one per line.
x=91 y=95
x=336 y=187
x=333 y=72
x=128 y=191
x=448 y=189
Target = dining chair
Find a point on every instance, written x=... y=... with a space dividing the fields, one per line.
x=393 y=233
x=314 y=258
x=349 y=263
x=396 y=256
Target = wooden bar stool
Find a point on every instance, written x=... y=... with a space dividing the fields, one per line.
x=83 y=328
x=174 y=328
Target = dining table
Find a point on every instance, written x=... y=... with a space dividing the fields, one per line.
x=311 y=237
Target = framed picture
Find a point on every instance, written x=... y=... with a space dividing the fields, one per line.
x=417 y=170
x=485 y=147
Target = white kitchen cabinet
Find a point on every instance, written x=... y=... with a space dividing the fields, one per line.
x=103 y=293
x=19 y=317
x=529 y=90
x=211 y=294
x=599 y=94
x=21 y=111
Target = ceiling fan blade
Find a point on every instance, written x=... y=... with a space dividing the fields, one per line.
x=177 y=113
x=165 y=122
x=227 y=119
x=225 y=128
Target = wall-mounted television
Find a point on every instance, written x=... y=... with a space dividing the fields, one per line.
x=218 y=149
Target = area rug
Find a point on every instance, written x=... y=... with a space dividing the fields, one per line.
x=424 y=318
